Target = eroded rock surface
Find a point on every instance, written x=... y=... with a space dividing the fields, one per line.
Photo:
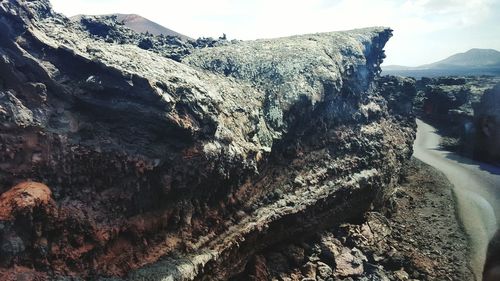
x=415 y=236
x=160 y=169
x=110 y=29
x=487 y=124
x=448 y=104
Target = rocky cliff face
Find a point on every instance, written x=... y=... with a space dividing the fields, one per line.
x=118 y=161
x=487 y=124
x=448 y=104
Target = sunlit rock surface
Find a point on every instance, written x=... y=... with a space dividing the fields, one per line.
x=158 y=169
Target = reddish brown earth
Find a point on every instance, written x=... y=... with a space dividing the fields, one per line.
x=24 y=199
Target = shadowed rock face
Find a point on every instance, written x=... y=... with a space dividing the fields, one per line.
x=487 y=121
x=153 y=168
x=448 y=104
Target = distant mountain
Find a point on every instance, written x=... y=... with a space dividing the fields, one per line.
x=471 y=58
x=472 y=62
x=141 y=24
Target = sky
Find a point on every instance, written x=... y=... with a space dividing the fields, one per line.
x=425 y=31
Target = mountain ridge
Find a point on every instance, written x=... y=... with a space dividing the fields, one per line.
x=475 y=61
x=140 y=24
x=474 y=57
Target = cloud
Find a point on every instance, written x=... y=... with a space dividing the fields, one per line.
x=463 y=12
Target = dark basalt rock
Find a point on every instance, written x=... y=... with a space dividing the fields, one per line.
x=442 y=97
x=487 y=122
x=110 y=30
x=400 y=93
x=163 y=169
x=448 y=104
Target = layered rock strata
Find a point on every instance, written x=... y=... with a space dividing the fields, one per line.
x=415 y=236
x=118 y=161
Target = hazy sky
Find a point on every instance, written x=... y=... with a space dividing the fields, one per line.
x=424 y=30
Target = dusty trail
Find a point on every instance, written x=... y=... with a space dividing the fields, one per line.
x=476 y=187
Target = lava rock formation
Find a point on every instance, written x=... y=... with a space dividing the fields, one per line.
x=119 y=161
x=487 y=122
x=449 y=103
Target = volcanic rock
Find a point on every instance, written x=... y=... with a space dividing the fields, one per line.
x=24 y=198
x=162 y=169
x=487 y=122
x=448 y=104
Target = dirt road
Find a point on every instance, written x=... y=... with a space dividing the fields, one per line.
x=476 y=187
